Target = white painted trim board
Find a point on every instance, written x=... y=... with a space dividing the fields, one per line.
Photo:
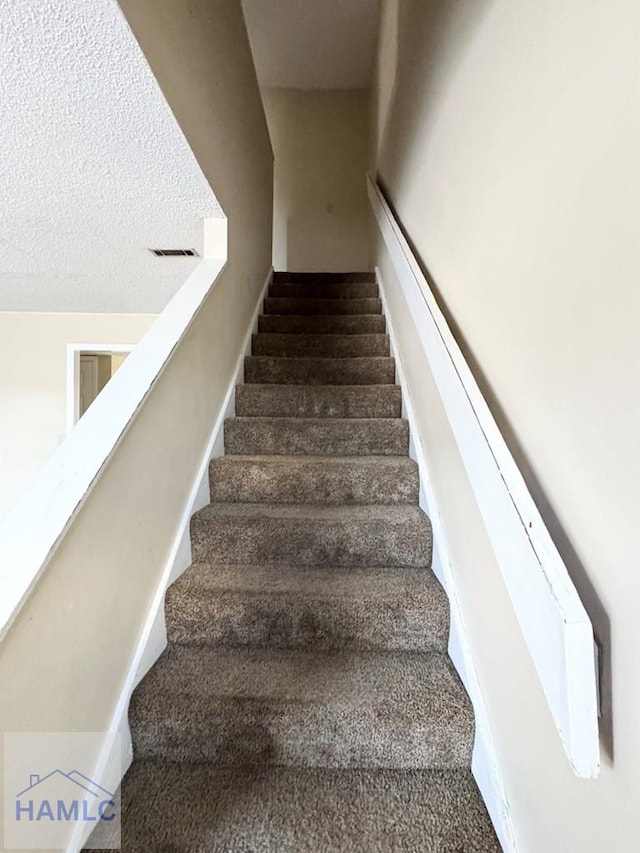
x=553 y=621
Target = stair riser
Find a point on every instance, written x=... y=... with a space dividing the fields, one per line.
x=324 y=277
x=250 y=732
x=286 y=541
x=320 y=346
x=286 y=401
x=319 y=371
x=315 y=437
x=363 y=324
x=286 y=305
x=288 y=621
x=323 y=290
x=239 y=481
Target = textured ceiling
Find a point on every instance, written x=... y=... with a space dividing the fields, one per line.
x=93 y=166
x=313 y=44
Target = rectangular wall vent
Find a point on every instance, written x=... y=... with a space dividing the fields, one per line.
x=174 y=253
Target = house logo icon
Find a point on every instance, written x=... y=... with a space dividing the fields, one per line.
x=61 y=797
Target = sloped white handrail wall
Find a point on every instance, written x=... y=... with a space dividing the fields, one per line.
x=554 y=623
x=32 y=529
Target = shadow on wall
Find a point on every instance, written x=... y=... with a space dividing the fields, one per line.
x=321 y=212
x=329 y=240
x=423 y=29
x=577 y=571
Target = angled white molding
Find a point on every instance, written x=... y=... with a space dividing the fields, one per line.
x=553 y=621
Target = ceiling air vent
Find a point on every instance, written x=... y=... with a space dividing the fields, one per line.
x=174 y=253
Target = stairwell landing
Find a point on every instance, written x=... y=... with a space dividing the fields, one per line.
x=306 y=701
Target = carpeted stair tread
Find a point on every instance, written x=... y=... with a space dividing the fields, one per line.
x=195 y=808
x=308 y=535
x=319 y=401
x=297 y=708
x=324 y=289
x=320 y=608
x=368 y=370
x=336 y=324
x=314 y=479
x=320 y=346
x=316 y=436
x=306 y=701
x=314 y=306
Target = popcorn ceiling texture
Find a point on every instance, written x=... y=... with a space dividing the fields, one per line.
x=94 y=168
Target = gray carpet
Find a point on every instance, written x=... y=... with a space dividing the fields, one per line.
x=306 y=701
x=328 y=609
x=200 y=808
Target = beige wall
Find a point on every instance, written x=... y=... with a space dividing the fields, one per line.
x=33 y=384
x=66 y=674
x=320 y=141
x=507 y=137
x=117 y=360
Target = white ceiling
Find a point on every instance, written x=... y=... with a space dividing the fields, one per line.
x=93 y=166
x=313 y=44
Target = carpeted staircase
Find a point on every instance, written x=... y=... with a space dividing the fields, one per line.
x=306 y=701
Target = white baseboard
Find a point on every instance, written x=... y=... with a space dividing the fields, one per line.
x=153 y=639
x=484 y=764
